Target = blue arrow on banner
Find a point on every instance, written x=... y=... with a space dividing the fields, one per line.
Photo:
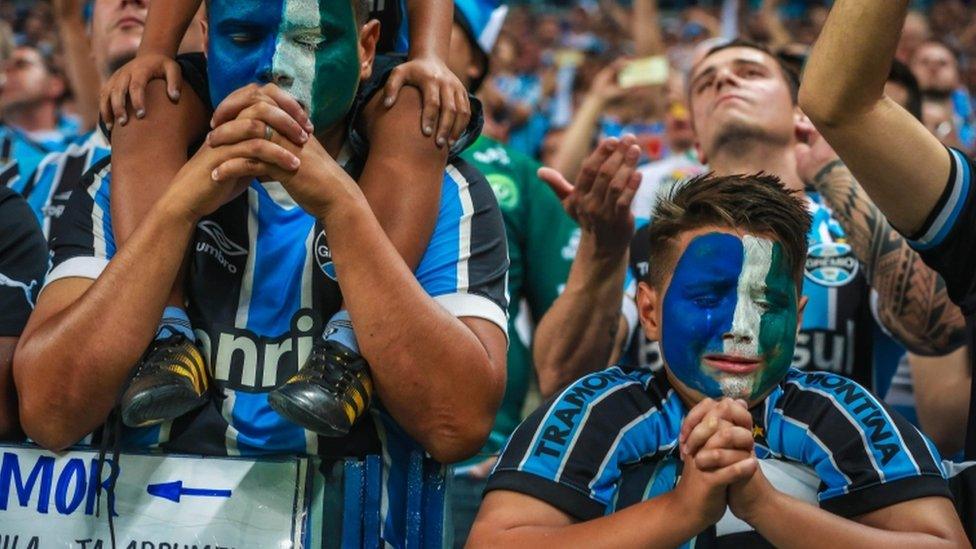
x=174 y=490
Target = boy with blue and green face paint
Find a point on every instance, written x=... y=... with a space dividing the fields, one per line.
x=631 y=458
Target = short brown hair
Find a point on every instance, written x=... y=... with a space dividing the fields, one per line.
x=757 y=203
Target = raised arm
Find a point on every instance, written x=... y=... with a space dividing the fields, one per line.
x=583 y=330
x=647 y=29
x=898 y=162
x=79 y=63
x=578 y=140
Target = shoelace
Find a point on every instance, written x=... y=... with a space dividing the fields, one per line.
x=160 y=352
x=335 y=374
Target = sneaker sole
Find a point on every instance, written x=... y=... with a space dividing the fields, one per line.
x=297 y=411
x=159 y=405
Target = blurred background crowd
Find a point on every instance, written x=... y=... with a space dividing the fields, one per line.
x=556 y=67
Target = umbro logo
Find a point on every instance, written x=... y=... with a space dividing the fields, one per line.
x=222 y=249
x=225 y=244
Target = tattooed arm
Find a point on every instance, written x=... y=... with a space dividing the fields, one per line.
x=912 y=299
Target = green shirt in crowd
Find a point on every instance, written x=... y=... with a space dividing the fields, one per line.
x=542 y=241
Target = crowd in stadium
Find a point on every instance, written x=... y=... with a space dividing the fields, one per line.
x=637 y=273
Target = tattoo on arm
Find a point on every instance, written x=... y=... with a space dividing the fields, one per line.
x=912 y=299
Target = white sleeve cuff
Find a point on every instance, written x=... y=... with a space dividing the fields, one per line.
x=473 y=305
x=77 y=267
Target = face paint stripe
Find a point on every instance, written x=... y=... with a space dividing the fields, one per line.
x=757 y=258
x=289 y=58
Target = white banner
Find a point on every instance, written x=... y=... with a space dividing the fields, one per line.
x=161 y=502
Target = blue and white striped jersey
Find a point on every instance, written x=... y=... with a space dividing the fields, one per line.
x=839 y=334
x=49 y=187
x=261 y=285
x=609 y=441
x=21 y=152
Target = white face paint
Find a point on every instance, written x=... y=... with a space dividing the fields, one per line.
x=295 y=48
x=747 y=318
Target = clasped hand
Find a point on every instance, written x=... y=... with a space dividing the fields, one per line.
x=720 y=465
x=260 y=132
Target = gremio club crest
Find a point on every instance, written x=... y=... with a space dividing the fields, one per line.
x=831 y=264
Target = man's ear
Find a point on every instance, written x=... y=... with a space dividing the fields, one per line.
x=648 y=304
x=800 y=307
x=369 y=34
x=205 y=31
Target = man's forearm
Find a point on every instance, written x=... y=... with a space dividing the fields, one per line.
x=80 y=68
x=647 y=29
x=843 y=94
x=71 y=367
x=430 y=28
x=165 y=26
x=849 y=64
x=577 y=334
x=658 y=522
x=912 y=298
x=431 y=371
x=791 y=523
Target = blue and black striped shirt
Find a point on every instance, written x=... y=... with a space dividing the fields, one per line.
x=609 y=441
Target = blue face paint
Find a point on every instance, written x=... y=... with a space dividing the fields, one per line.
x=309 y=48
x=729 y=316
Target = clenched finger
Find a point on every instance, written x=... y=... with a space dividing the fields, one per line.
x=432 y=107
x=118 y=100
x=244 y=129
x=448 y=114
x=279 y=120
x=711 y=459
x=174 y=80
x=255 y=149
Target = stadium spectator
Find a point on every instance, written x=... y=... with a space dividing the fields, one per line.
x=930 y=201
x=23 y=261
x=259 y=309
x=937 y=69
x=598 y=465
x=316 y=398
x=32 y=124
x=116 y=30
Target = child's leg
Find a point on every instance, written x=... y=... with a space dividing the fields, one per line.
x=333 y=388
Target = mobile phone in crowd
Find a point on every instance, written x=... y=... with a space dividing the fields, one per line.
x=646 y=71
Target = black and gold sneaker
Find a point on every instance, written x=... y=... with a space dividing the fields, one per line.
x=170 y=381
x=329 y=393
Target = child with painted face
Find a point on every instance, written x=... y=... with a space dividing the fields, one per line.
x=633 y=458
x=446 y=108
